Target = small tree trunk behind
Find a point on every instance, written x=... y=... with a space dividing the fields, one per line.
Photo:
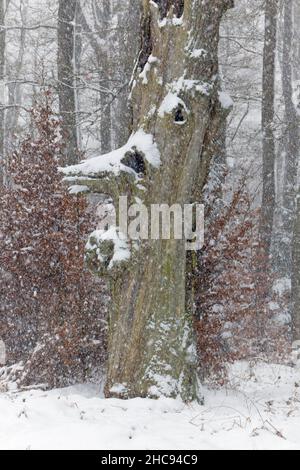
x=128 y=43
x=268 y=96
x=291 y=148
x=66 y=81
x=296 y=276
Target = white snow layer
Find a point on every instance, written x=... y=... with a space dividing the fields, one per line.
x=197 y=53
x=121 y=245
x=259 y=410
x=282 y=286
x=144 y=74
x=170 y=102
x=111 y=162
x=78 y=189
x=225 y=100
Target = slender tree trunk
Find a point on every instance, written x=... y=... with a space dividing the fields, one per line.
x=101 y=45
x=296 y=231
x=268 y=96
x=105 y=82
x=128 y=42
x=175 y=101
x=291 y=149
x=14 y=89
x=102 y=21
x=66 y=81
x=77 y=65
x=296 y=42
x=296 y=275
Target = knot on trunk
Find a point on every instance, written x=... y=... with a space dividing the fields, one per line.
x=180 y=115
x=107 y=252
x=135 y=160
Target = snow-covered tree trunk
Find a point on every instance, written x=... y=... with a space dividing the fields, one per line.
x=66 y=80
x=177 y=114
x=268 y=112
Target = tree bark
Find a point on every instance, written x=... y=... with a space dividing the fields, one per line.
x=296 y=205
x=296 y=40
x=151 y=340
x=66 y=81
x=291 y=147
x=268 y=97
x=129 y=16
x=102 y=20
x=296 y=275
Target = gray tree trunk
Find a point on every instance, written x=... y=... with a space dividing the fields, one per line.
x=268 y=96
x=151 y=340
x=66 y=81
x=102 y=21
x=296 y=231
x=128 y=43
x=14 y=88
x=291 y=147
x=77 y=65
x=101 y=44
x=296 y=40
x=296 y=276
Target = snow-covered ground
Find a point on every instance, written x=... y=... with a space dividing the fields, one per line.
x=260 y=410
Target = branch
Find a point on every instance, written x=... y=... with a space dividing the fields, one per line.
x=117 y=172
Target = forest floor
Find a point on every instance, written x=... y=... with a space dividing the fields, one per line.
x=259 y=410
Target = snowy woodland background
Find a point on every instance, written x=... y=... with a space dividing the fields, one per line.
x=67 y=71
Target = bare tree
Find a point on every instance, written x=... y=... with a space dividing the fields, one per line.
x=66 y=81
x=102 y=19
x=291 y=147
x=127 y=44
x=268 y=112
x=296 y=276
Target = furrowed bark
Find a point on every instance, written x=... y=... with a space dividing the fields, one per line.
x=291 y=148
x=296 y=276
x=268 y=113
x=66 y=81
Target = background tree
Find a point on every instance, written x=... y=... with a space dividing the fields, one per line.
x=296 y=276
x=289 y=148
x=268 y=101
x=66 y=80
